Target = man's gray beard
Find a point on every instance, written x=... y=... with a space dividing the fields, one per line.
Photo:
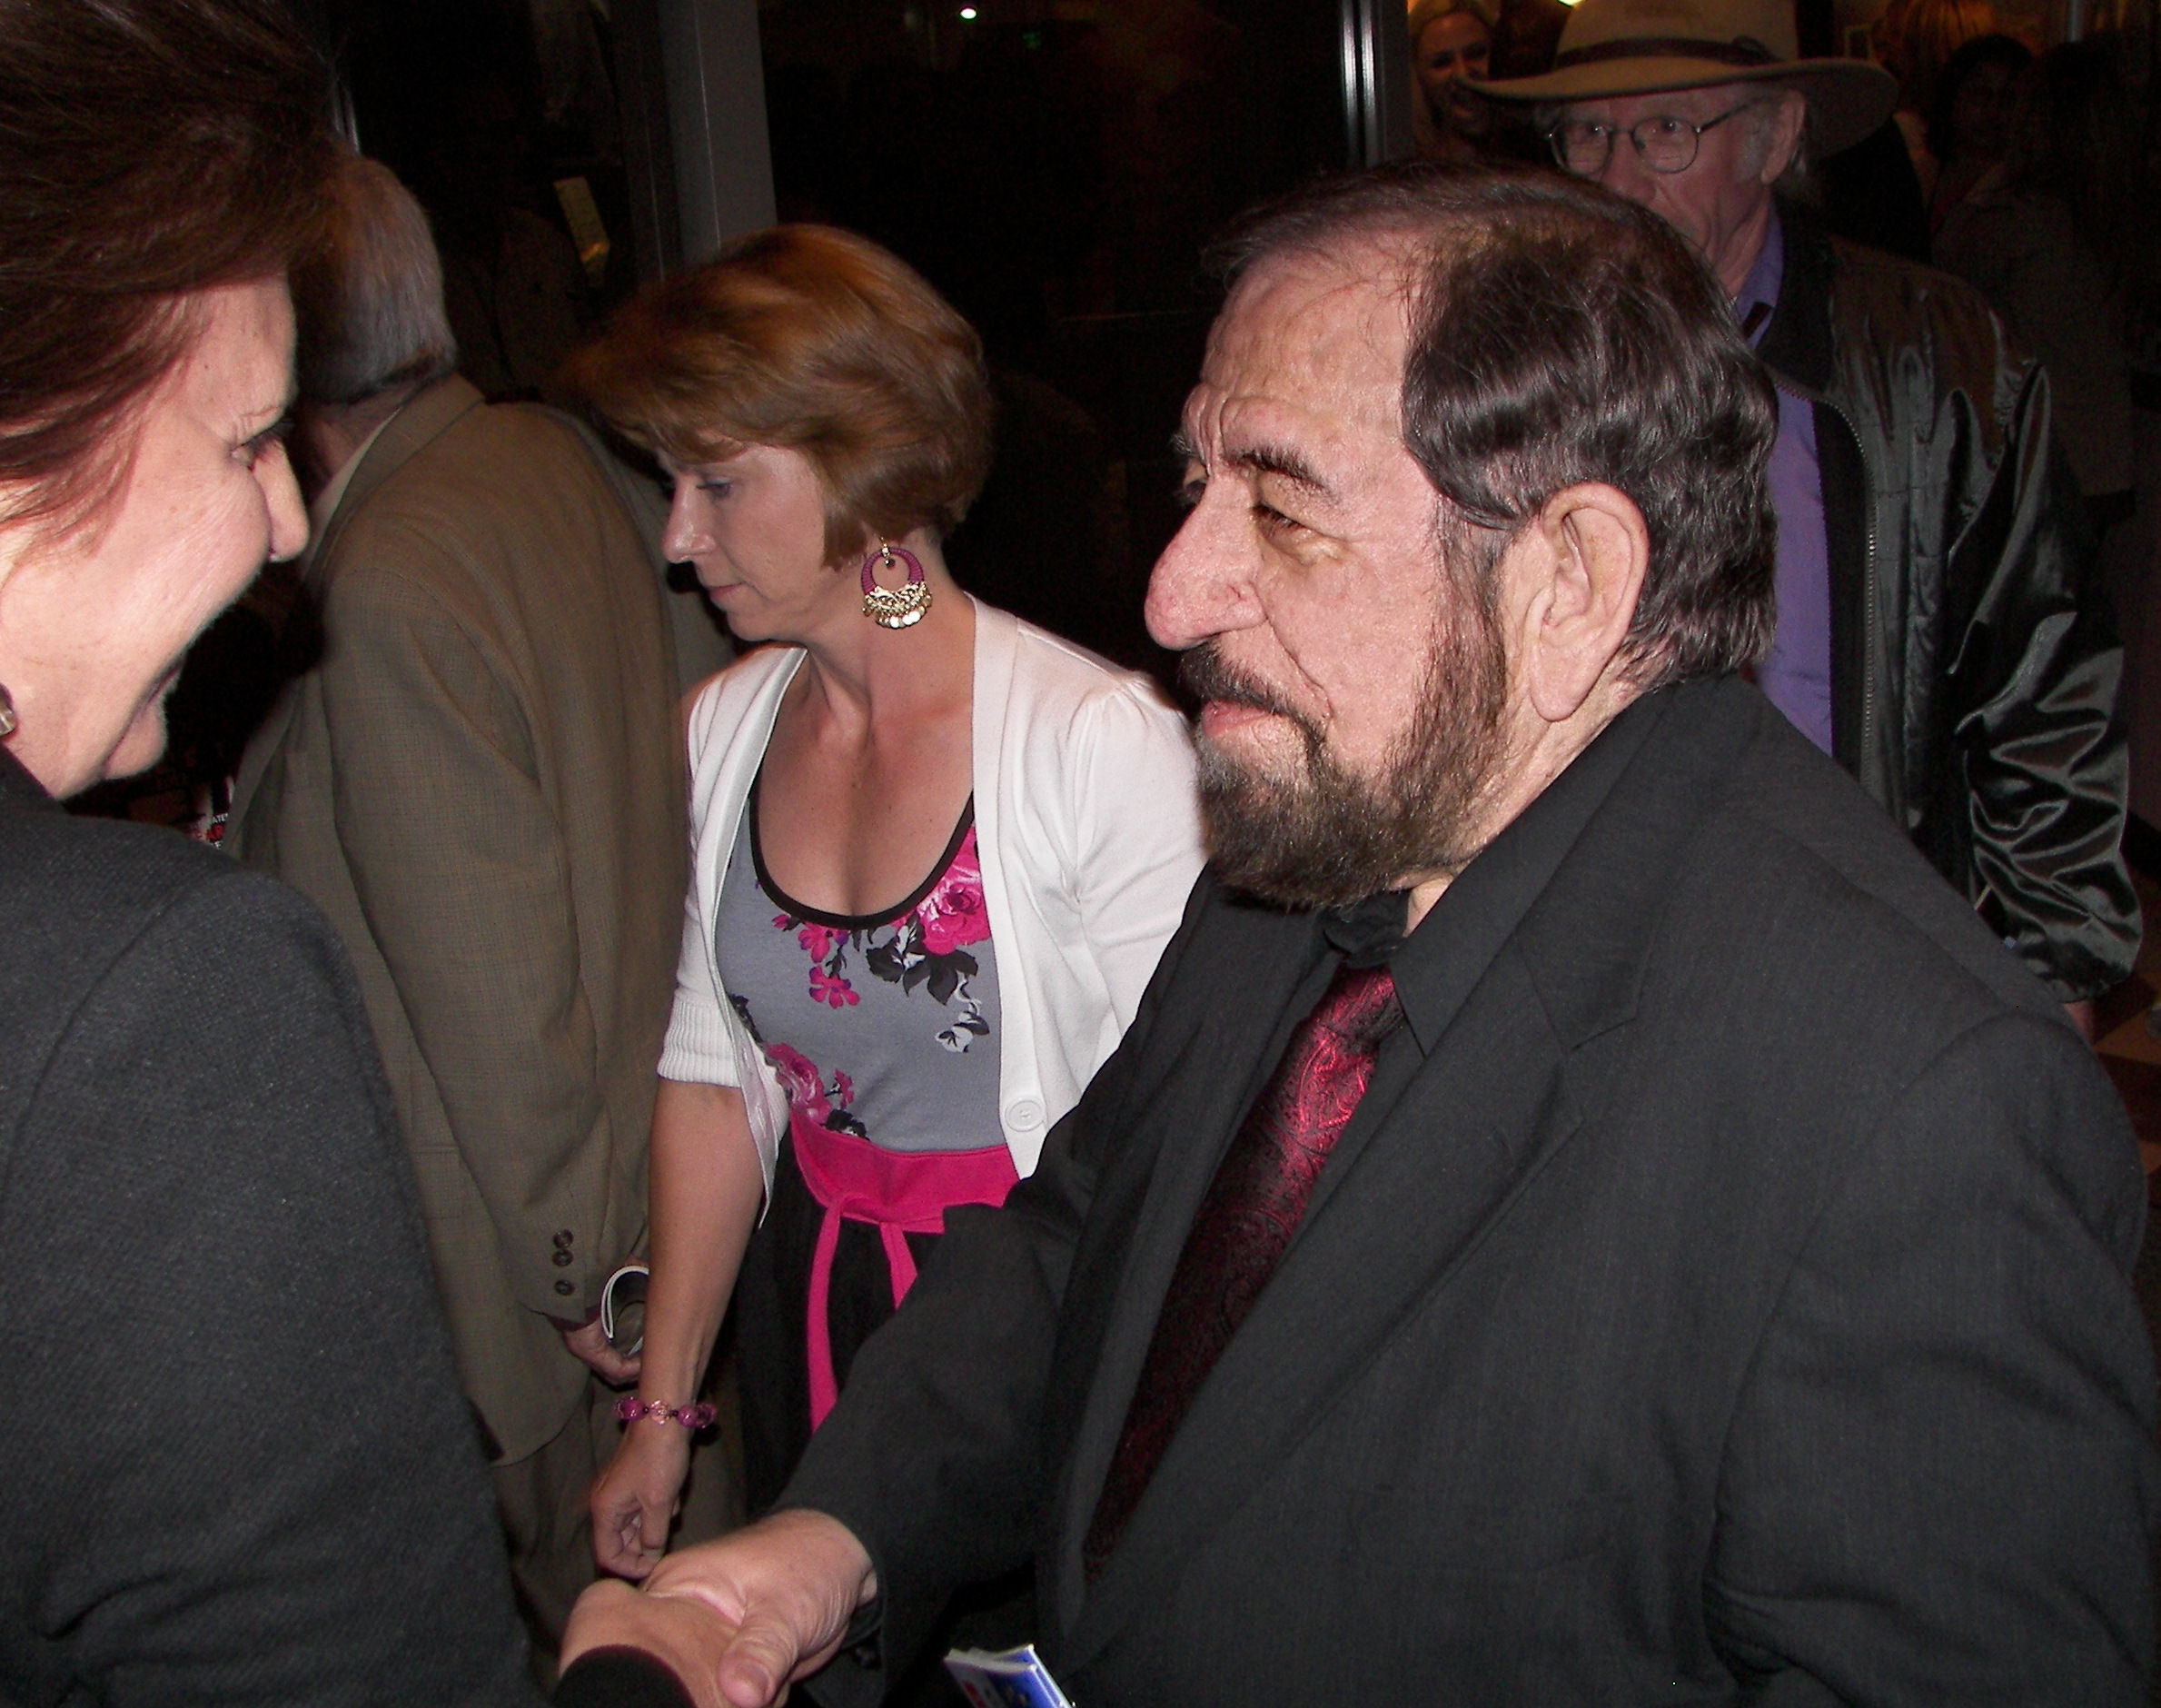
x=1327 y=838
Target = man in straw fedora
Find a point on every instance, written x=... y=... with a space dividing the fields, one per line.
x=1931 y=553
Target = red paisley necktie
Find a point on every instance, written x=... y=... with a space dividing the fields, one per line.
x=1252 y=1207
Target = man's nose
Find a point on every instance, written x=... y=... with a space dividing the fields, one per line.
x=1201 y=585
x=1624 y=172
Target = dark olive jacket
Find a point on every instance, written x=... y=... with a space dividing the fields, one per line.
x=1973 y=672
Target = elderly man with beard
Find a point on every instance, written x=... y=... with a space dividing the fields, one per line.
x=1583 y=1214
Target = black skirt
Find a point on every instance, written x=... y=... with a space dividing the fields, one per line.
x=771 y=1298
x=772 y=1294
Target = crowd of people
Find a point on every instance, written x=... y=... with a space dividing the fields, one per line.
x=1539 y=1148
x=2029 y=174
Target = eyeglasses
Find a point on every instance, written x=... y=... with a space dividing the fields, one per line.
x=1663 y=143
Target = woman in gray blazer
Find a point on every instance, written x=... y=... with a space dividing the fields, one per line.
x=238 y=1468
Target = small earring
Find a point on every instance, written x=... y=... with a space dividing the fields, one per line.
x=7 y=712
x=893 y=607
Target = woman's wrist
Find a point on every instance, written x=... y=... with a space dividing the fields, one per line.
x=672 y=1387
x=632 y=1410
x=668 y=1372
x=652 y=1444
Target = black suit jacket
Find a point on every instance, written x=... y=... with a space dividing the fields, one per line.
x=234 y=1464
x=1732 y=1307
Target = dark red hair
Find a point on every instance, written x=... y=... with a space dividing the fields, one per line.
x=149 y=149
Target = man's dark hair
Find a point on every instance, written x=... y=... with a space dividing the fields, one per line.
x=1560 y=335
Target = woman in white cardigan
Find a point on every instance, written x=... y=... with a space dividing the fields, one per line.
x=937 y=851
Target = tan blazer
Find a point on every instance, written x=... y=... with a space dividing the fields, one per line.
x=481 y=784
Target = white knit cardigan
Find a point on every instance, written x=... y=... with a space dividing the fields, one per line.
x=1089 y=837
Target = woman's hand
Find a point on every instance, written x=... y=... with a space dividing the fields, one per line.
x=706 y=1187
x=634 y=1500
x=739 y=1620
x=684 y=1636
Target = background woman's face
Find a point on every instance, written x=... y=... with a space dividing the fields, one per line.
x=1456 y=45
x=94 y=630
x=1982 y=110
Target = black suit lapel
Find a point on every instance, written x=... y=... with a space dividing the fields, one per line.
x=1411 y=1207
x=1513 y=1079
x=1189 y=1104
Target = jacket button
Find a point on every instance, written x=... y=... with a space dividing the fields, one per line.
x=1026 y=1114
x=565 y=1289
x=563 y=1236
x=563 y=1260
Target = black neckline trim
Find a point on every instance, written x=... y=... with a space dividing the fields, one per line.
x=852 y=921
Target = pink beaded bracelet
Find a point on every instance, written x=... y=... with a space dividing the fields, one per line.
x=630 y=1408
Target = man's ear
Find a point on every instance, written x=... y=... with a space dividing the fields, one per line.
x=1782 y=135
x=1580 y=569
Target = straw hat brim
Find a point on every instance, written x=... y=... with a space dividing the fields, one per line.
x=1848 y=98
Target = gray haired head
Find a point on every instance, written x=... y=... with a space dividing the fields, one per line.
x=368 y=298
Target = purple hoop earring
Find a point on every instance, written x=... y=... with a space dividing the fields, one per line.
x=893 y=607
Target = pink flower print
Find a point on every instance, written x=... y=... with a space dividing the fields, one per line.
x=818 y=941
x=799 y=1078
x=832 y=989
x=953 y=915
x=844 y=1087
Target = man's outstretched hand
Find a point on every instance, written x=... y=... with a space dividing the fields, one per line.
x=741 y=1619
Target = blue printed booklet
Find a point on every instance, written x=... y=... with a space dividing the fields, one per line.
x=1012 y=1678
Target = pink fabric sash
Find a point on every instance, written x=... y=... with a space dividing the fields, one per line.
x=896 y=1192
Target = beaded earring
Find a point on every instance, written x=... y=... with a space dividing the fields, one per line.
x=893 y=607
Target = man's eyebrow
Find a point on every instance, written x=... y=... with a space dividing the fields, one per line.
x=1284 y=463
x=1182 y=447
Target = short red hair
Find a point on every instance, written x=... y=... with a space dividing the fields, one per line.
x=818 y=340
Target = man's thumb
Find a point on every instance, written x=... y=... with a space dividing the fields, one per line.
x=760 y=1656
